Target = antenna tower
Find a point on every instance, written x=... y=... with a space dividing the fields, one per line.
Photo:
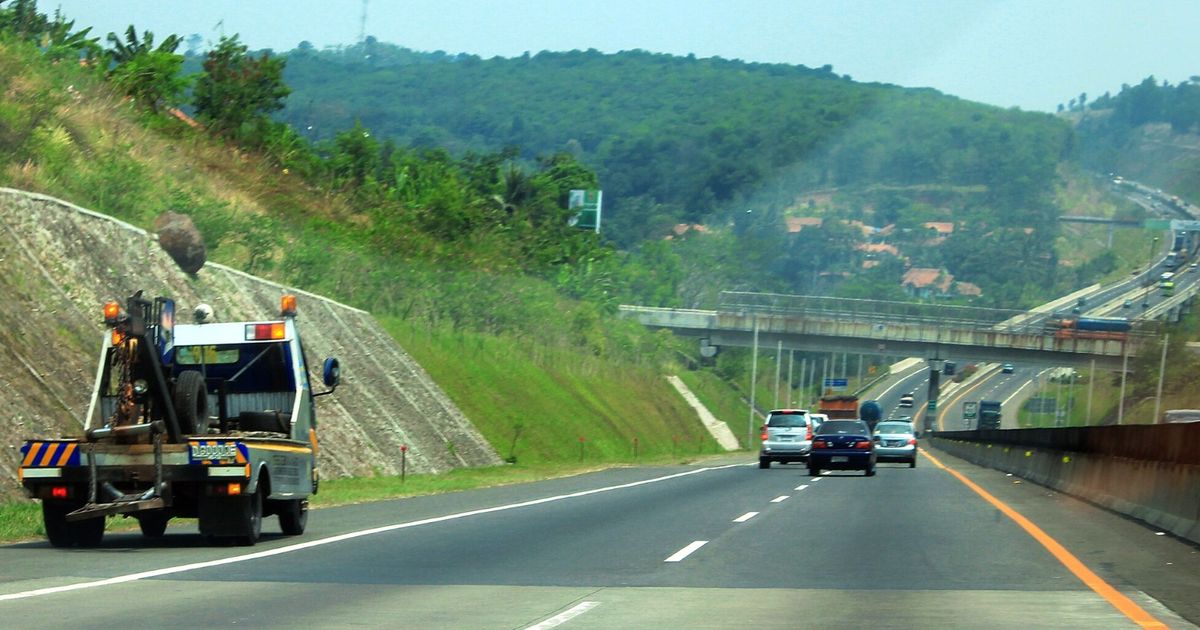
x=362 y=26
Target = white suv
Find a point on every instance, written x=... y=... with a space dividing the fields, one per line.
x=906 y=400
x=786 y=437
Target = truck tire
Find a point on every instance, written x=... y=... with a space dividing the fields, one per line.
x=293 y=516
x=191 y=403
x=153 y=524
x=251 y=517
x=61 y=533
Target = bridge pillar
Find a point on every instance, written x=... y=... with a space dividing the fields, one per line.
x=935 y=374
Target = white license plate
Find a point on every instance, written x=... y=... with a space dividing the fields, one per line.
x=840 y=459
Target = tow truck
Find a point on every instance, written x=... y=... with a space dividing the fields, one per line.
x=213 y=421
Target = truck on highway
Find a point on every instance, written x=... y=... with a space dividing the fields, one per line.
x=213 y=421
x=989 y=414
x=1075 y=327
x=839 y=407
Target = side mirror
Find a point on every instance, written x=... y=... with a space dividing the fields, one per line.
x=331 y=375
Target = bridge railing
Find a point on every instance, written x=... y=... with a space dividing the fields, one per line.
x=882 y=311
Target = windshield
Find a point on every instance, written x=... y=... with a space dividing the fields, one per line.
x=889 y=428
x=787 y=420
x=843 y=427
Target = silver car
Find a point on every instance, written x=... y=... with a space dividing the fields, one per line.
x=786 y=437
x=896 y=441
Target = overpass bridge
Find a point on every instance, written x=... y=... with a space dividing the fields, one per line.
x=876 y=327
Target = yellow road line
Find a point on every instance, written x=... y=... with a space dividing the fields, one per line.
x=1118 y=599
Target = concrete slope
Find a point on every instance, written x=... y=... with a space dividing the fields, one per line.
x=59 y=263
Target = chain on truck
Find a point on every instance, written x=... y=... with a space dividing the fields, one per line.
x=213 y=421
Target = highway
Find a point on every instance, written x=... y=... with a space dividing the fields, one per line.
x=713 y=545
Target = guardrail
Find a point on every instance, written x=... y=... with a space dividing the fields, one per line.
x=1150 y=472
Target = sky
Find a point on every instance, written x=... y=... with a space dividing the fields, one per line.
x=1032 y=54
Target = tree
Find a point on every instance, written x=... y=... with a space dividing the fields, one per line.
x=149 y=74
x=153 y=78
x=357 y=155
x=236 y=91
x=131 y=47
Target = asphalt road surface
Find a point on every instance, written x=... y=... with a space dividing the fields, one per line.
x=715 y=545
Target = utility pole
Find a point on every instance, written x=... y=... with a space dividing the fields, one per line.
x=753 y=378
x=1162 y=370
x=778 y=369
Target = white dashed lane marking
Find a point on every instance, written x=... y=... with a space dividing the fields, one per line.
x=686 y=551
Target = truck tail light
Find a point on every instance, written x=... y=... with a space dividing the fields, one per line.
x=60 y=492
x=265 y=332
x=233 y=489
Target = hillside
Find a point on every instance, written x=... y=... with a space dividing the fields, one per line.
x=737 y=148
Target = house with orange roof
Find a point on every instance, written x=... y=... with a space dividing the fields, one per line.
x=927 y=282
x=795 y=224
x=943 y=228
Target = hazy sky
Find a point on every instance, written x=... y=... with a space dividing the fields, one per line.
x=1032 y=54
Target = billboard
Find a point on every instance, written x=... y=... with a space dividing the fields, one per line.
x=586 y=204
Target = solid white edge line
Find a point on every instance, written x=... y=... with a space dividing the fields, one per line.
x=780 y=499
x=745 y=517
x=816 y=478
x=565 y=616
x=686 y=551
x=802 y=486
x=133 y=577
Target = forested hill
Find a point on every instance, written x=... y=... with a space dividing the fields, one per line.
x=677 y=139
x=1149 y=132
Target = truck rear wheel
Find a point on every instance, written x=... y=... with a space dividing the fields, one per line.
x=191 y=403
x=153 y=524
x=293 y=516
x=252 y=511
x=62 y=533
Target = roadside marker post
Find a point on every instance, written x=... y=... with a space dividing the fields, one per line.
x=403 y=462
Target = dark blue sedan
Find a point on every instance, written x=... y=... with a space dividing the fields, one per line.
x=842 y=445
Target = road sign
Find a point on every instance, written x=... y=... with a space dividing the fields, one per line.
x=970 y=410
x=933 y=405
x=586 y=204
x=836 y=383
x=1186 y=225
x=1157 y=224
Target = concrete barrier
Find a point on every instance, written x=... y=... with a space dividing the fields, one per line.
x=1151 y=472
